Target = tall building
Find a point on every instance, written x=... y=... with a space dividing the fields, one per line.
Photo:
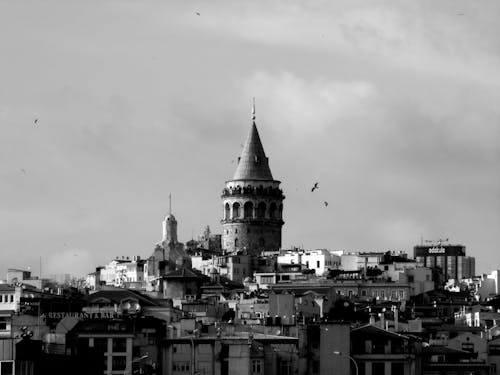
x=252 y=202
x=451 y=259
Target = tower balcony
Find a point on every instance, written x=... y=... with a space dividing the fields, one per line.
x=254 y=221
x=253 y=191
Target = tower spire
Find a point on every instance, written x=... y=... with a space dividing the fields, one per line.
x=170 y=204
x=253 y=109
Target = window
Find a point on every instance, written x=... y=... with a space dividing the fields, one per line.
x=261 y=210
x=7 y=368
x=468 y=347
x=100 y=344
x=267 y=279
x=315 y=367
x=227 y=211
x=397 y=368
x=378 y=368
x=494 y=349
x=285 y=368
x=363 y=292
x=272 y=210
x=235 y=242
x=411 y=278
x=318 y=264
x=119 y=345
x=3 y=324
x=118 y=363
x=248 y=210
x=236 y=210
x=180 y=367
x=256 y=366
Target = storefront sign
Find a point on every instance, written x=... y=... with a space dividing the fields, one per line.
x=82 y=315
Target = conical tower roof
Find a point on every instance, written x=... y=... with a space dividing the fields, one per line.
x=253 y=163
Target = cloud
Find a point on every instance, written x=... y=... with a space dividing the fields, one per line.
x=308 y=106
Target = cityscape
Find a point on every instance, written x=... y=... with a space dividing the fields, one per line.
x=249 y=189
x=239 y=303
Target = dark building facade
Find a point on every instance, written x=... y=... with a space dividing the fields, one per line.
x=451 y=259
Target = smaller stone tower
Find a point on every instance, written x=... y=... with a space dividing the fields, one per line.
x=169 y=226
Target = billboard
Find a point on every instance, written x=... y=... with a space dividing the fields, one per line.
x=439 y=250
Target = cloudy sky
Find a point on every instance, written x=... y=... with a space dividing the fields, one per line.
x=392 y=106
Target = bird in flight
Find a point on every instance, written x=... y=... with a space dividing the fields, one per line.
x=23 y=170
x=36 y=121
x=198 y=14
x=315 y=186
x=325 y=203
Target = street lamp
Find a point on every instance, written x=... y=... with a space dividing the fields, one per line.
x=336 y=352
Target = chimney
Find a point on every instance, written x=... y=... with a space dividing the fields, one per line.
x=372 y=319
x=382 y=319
x=396 y=319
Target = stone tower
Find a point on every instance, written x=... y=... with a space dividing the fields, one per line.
x=252 y=202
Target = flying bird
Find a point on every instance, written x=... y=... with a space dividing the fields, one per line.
x=198 y=14
x=23 y=170
x=315 y=186
x=325 y=203
x=36 y=121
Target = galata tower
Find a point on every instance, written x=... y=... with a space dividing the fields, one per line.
x=252 y=202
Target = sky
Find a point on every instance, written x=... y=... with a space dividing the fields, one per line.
x=393 y=107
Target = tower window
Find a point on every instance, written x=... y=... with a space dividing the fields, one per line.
x=248 y=210
x=272 y=210
x=236 y=231
x=236 y=210
x=235 y=242
x=261 y=210
x=227 y=212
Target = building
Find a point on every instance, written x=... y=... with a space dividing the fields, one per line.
x=380 y=352
x=228 y=352
x=252 y=202
x=121 y=272
x=451 y=259
x=167 y=256
x=15 y=276
x=320 y=260
x=489 y=285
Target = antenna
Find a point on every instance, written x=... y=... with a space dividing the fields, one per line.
x=170 y=204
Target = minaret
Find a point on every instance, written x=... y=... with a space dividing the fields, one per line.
x=169 y=225
x=252 y=201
